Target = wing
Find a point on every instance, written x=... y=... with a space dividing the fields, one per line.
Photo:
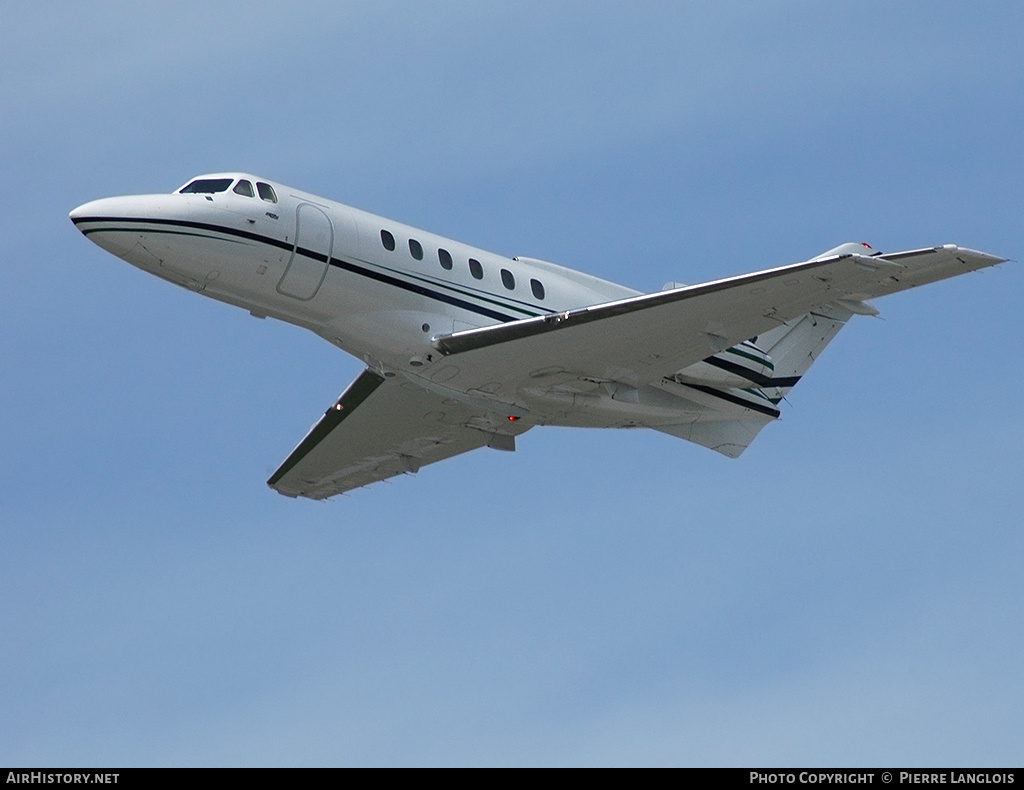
x=380 y=428
x=643 y=338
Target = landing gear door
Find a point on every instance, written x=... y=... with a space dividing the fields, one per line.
x=311 y=254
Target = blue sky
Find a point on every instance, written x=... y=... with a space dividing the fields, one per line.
x=847 y=593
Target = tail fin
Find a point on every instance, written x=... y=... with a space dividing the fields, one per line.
x=793 y=348
x=795 y=345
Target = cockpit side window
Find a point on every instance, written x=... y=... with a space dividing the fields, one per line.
x=266 y=192
x=204 y=186
x=244 y=187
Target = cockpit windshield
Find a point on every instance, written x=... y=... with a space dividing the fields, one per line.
x=266 y=192
x=207 y=186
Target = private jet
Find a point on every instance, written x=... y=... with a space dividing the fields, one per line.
x=466 y=348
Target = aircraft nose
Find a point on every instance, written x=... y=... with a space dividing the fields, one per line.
x=103 y=223
x=105 y=208
x=78 y=213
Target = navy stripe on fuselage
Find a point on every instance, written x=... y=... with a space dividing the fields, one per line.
x=760 y=359
x=758 y=378
x=728 y=396
x=420 y=290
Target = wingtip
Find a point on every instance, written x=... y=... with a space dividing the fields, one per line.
x=988 y=258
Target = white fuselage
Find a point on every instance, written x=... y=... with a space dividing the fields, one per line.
x=325 y=266
x=383 y=291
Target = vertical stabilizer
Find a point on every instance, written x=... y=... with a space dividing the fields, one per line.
x=792 y=349
x=794 y=346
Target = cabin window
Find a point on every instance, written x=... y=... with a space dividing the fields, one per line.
x=387 y=240
x=266 y=192
x=476 y=269
x=416 y=249
x=204 y=186
x=445 y=258
x=538 y=289
x=508 y=279
x=244 y=187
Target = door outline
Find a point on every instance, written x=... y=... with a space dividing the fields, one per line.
x=304 y=274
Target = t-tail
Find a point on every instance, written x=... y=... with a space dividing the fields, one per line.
x=740 y=387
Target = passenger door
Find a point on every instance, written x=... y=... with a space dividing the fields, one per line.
x=311 y=253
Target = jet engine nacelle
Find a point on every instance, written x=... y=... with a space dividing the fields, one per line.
x=743 y=365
